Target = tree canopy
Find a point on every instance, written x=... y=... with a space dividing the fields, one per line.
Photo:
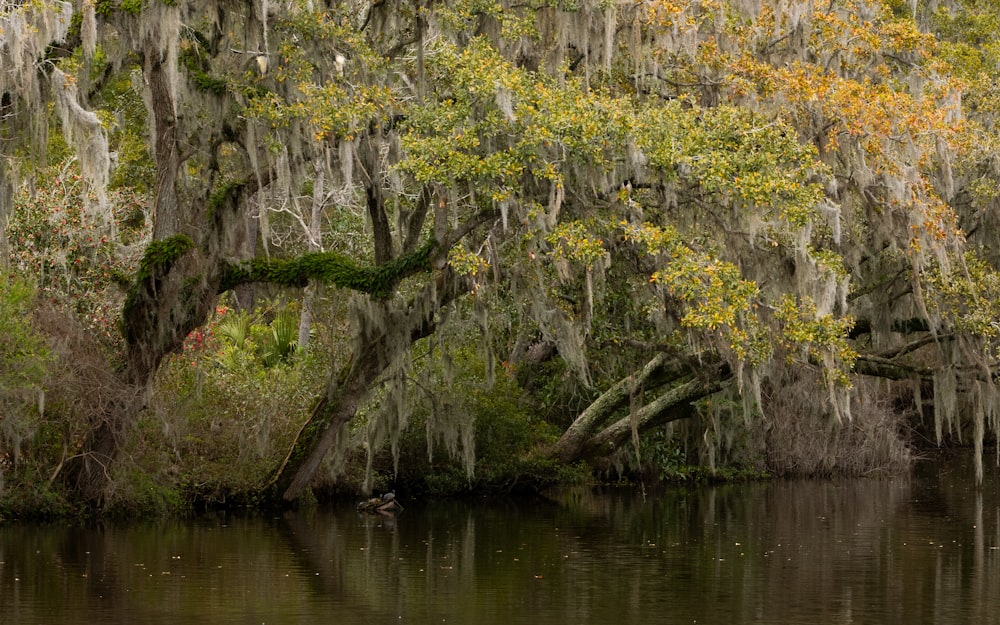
x=681 y=200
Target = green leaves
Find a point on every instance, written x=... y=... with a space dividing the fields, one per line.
x=709 y=294
x=736 y=156
x=23 y=353
x=574 y=241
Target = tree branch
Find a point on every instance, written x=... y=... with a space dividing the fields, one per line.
x=661 y=410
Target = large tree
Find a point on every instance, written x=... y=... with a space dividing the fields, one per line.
x=725 y=196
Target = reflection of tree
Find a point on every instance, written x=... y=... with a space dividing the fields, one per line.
x=318 y=548
x=887 y=551
x=799 y=551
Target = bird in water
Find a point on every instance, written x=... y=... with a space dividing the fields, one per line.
x=389 y=496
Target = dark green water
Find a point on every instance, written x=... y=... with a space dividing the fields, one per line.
x=925 y=549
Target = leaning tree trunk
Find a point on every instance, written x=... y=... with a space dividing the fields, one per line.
x=583 y=427
x=346 y=391
x=671 y=405
x=591 y=435
x=372 y=355
x=175 y=290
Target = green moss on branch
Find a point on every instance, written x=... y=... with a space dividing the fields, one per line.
x=156 y=262
x=208 y=83
x=329 y=268
x=160 y=255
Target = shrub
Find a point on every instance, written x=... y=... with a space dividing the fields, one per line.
x=24 y=362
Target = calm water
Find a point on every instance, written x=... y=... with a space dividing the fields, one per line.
x=920 y=550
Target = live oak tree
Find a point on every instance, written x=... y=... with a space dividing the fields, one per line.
x=680 y=198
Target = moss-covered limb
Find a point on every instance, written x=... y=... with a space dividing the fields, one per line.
x=669 y=406
x=329 y=268
x=337 y=269
x=156 y=261
x=877 y=366
x=346 y=390
x=161 y=255
x=661 y=370
x=600 y=409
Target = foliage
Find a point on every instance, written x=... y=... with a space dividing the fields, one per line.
x=24 y=360
x=224 y=409
x=763 y=191
x=77 y=262
x=505 y=427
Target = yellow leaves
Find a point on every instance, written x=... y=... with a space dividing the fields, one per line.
x=573 y=241
x=876 y=116
x=711 y=291
x=466 y=263
x=935 y=225
x=821 y=337
x=902 y=35
x=969 y=302
x=655 y=239
x=676 y=16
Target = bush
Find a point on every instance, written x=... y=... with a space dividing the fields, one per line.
x=24 y=362
x=81 y=263
x=223 y=413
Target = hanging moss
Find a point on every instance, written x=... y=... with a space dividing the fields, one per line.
x=330 y=268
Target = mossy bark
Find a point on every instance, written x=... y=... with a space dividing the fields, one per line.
x=349 y=387
x=671 y=405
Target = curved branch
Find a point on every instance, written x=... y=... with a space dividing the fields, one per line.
x=660 y=370
x=349 y=387
x=878 y=366
x=663 y=409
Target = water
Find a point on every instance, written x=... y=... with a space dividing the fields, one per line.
x=924 y=549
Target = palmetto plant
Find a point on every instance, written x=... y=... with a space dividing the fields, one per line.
x=236 y=328
x=279 y=345
x=273 y=343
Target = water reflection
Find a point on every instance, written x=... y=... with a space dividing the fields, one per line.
x=919 y=550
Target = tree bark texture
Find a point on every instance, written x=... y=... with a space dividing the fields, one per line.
x=347 y=389
x=590 y=432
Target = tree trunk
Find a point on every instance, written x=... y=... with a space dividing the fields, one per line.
x=370 y=161
x=90 y=471
x=166 y=220
x=346 y=390
x=333 y=410
x=175 y=290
